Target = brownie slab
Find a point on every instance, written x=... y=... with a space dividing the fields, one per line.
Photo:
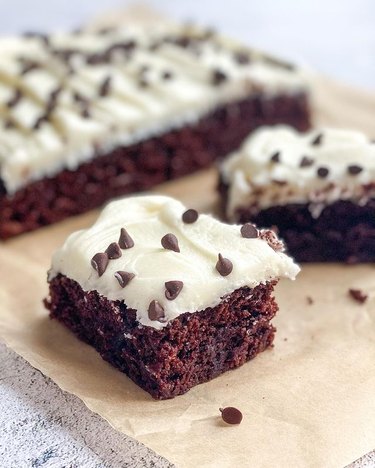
x=171 y=297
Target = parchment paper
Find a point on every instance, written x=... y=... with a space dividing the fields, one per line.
x=308 y=402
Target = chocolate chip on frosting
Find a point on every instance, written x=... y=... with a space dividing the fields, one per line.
x=190 y=216
x=113 y=251
x=124 y=277
x=224 y=266
x=275 y=158
x=125 y=241
x=317 y=140
x=218 y=77
x=249 y=231
x=173 y=289
x=354 y=169
x=170 y=242
x=100 y=262
x=156 y=311
x=231 y=415
x=322 y=172
x=241 y=57
x=105 y=87
x=306 y=161
x=167 y=75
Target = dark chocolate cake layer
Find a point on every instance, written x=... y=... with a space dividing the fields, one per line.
x=343 y=232
x=191 y=349
x=145 y=164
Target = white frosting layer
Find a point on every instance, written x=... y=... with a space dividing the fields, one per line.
x=147 y=219
x=257 y=182
x=128 y=112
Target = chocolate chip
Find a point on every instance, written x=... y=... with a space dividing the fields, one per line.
x=105 y=87
x=218 y=77
x=231 y=415
x=249 y=231
x=242 y=58
x=354 y=169
x=173 y=289
x=100 y=262
x=275 y=158
x=167 y=75
x=113 y=251
x=317 y=140
x=125 y=241
x=358 y=295
x=224 y=266
x=13 y=101
x=306 y=161
x=124 y=277
x=190 y=216
x=322 y=172
x=156 y=311
x=170 y=242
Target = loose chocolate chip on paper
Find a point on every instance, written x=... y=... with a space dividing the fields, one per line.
x=190 y=216
x=156 y=311
x=113 y=251
x=100 y=262
x=124 y=277
x=224 y=266
x=354 y=169
x=249 y=231
x=173 y=289
x=231 y=415
x=358 y=295
x=170 y=242
x=125 y=241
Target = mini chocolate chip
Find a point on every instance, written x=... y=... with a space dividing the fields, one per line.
x=124 y=277
x=170 y=242
x=105 y=87
x=358 y=295
x=113 y=251
x=190 y=216
x=354 y=169
x=317 y=140
x=100 y=262
x=167 y=75
x=231 y=415
x=242 y=58
x=224 y=266
x=306 y=161
x=125 y=241
x=249 y=231
x=322 y=172
x=156 y=311
x=275 y=158
x=218 y=77
x=173 y=289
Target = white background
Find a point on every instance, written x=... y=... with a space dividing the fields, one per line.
x=336 y=37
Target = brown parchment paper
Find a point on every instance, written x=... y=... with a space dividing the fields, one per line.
x=308 y=402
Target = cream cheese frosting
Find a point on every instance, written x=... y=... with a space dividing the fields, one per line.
x=279 y=166
x=66 y=97
x=155 y=224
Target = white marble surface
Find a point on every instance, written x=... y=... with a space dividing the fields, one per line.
x=41 y=426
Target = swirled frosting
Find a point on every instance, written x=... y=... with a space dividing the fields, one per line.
x=150 y=262
x=66 y=97
x=278 y=166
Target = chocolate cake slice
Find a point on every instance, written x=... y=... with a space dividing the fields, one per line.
x=169 y=297
x=92 y=115
x=317 y=188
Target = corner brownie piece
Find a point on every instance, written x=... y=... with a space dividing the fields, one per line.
x=317 y=188
x=92 y=115
x=169 y=297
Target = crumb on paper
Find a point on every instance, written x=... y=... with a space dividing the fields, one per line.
x=358 y=295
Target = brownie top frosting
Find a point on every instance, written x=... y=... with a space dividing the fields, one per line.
x=142 y=250
x=278 y=166
x=65 y=98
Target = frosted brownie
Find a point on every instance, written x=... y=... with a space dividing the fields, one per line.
x=89 y=116
x=317 y=188
x=169 y=297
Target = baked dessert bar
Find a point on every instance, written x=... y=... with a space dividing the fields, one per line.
x=317 y=188
x=169 y=297
x=87 y=116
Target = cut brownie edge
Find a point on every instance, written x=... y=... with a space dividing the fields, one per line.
x=148 y=163
x=191 y=349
